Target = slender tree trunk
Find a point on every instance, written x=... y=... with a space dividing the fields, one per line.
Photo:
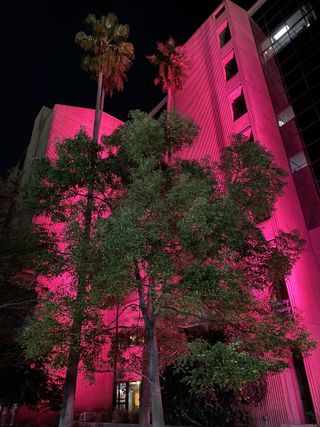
x=101 y=107
x=97 y=118
x=169 y=105
x=67 y=410
x=145 y=391
x=66 y=417
x=149 y=317
x=169 y=99
x=115 y=358
x=156 y=399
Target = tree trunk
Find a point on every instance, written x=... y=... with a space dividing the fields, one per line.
x=149 y=317
x=97 y=120
x=169 y=99
x=101 y=107
x=66 y=417
x=169 y=104
x=156 y=400
x=115 y=358
x=145 y=391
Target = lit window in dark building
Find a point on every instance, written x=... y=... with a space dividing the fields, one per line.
x=121 y=395
x=239 y=106
x=224 y=36
x=220 y=12
x=128 y=395
x=231 y=68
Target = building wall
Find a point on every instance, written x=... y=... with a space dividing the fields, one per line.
x=207 y=98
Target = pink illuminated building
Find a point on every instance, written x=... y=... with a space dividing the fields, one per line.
x=227 y=92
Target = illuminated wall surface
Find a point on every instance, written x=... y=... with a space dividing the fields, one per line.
x=225 y=93
x=208 y=97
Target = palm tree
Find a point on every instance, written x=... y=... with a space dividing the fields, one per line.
x=108 y=56
x=174 y=66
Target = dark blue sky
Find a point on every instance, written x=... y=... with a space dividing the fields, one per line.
x=42 y=63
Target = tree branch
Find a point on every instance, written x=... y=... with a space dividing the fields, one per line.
x=10 y=304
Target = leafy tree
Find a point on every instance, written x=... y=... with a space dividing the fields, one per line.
x=181 y=236
x=107 y=57
x=68 y=325
x=22 y=381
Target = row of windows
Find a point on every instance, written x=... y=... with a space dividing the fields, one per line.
x=238 y=103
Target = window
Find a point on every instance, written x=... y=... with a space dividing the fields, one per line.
x=128 y=395
x=224 y=36
x=298 y=162
x=121 y=395
x=220 y=12
x=280 y=298
x=231 y=68
x=287 y=31
x=285 y=116
x=304 y=387
x=239 y=107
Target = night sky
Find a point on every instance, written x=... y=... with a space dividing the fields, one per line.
x=41 y=62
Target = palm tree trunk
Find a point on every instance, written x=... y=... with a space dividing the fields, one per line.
x=169 y=99
x=101 y=107
x=169 y=103
x=97 y=118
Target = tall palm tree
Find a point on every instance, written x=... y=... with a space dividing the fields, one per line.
x=173 y=64
x=107 y=56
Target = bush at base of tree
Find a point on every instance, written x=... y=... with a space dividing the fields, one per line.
x=220 y=407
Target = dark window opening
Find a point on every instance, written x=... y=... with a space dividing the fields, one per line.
x=220 y=12
x=231 y=68
x=224 y=36
x=280 y=297
x=250 y=138
x=239 y=107
x=304 y=387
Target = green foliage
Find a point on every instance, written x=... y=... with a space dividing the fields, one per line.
x=185 y=234
x=218 y=407
x=252 y=178
x=23 y=381
x=58 y=197
x=182 y=233
x=223 y=365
